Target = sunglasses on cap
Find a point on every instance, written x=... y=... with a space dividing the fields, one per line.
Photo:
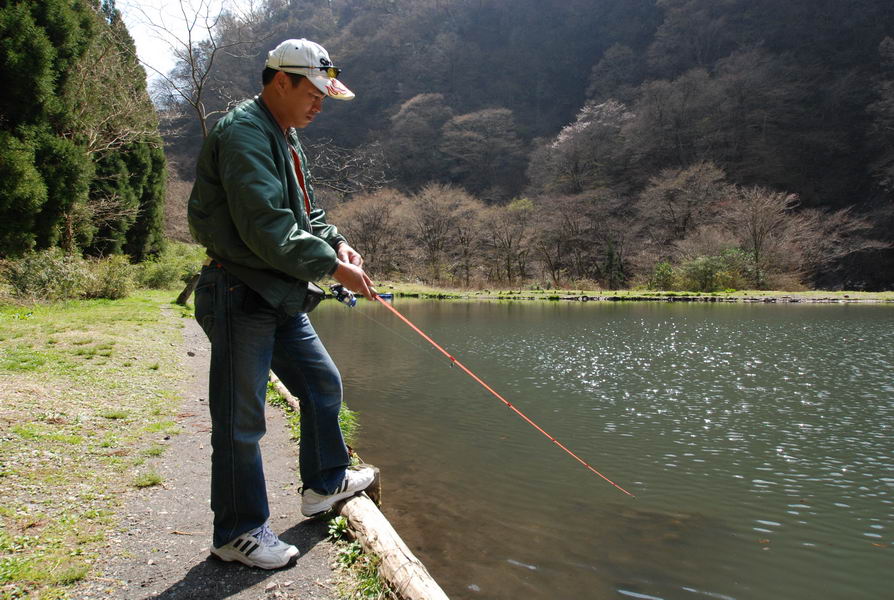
x=331 y=72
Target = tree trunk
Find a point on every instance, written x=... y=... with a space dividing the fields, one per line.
x=183 y=298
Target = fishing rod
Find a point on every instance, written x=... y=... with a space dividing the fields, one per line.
x=345 y=296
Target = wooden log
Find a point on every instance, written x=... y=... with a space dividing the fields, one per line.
x=183 y=298
x=405 y=573
x=284 y=392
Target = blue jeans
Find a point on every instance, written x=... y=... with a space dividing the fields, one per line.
x=248 y=338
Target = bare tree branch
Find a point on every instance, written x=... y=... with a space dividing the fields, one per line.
x=347 y=171
x=197 y=48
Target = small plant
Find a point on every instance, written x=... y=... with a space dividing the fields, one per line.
x=349 y=553
x=22 y=359
x=113 y=414
x=338 y=527
x=365 y=581
x=168 y=427
x=148 y=479
x=158 y=275
x=155 y=451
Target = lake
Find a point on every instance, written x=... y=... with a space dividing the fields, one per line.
x=758 y=440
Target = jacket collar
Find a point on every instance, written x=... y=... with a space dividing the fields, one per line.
x=289 y=133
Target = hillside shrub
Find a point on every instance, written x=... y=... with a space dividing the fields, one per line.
x=111 y=277
x=174 y=266
x=731 y=269
x=663 y=277
x=47 y=275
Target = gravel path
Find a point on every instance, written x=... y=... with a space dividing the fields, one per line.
x=160 y=547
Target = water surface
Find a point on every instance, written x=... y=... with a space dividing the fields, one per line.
x=757 y=440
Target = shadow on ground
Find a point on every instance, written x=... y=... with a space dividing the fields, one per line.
x=213 y=579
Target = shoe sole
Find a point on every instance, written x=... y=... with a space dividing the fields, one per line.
x=326 y=505
x=225 y=556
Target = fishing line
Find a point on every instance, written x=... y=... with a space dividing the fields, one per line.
x=409 y=341
x=468 y=372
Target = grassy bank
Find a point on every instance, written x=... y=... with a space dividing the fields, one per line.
x=525 y=293
x=88 y=392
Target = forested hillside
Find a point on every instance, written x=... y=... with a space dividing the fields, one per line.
x=696 y=143
x=81 y=160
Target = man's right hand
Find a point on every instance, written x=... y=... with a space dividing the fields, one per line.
x=355 y=279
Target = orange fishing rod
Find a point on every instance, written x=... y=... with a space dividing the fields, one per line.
x=339 y=295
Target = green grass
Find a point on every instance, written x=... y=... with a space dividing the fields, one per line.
x=347 y=419
x=147 y=479
x=154 y=451
x=167 y=427
x=22 y=359
x=67 y=370
x=113 y=413
x=362 y=570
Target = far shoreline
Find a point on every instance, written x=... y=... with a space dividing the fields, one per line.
x=423 y=291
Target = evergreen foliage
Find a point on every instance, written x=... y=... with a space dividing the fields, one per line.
x=81 y=165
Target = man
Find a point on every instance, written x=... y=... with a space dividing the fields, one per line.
x=253 y=209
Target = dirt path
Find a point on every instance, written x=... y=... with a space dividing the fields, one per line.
x=160 y=547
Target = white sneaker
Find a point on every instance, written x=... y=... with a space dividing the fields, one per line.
x=258 y=548
x=313 y=503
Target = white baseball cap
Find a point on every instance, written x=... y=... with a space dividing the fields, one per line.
x=310 y=59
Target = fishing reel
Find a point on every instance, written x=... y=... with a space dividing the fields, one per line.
x=343 y=294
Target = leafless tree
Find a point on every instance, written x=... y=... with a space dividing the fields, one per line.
x=827 y=237
x=780 y=240
x=440 y=218
x=484 y=152
x=347 y=171
x=432 y=224
x=371 y=223
x=102 y=76
x=198 y=47
x=509 y=236
x=467 y=238
x=678 y=201
x=762 y=219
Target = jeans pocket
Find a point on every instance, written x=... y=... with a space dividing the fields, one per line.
x=205 y=294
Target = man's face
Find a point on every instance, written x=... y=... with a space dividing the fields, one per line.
x=302 y=102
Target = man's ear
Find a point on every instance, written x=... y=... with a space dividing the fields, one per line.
x=281 y=81
x=277 y=79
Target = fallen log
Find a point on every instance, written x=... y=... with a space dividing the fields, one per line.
x=404 y=573
x=284 y=392
x=183 y=298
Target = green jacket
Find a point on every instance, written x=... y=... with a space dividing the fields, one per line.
x=247 y=209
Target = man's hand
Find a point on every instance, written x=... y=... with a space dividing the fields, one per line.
x=347 y=254
x=354 y=278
